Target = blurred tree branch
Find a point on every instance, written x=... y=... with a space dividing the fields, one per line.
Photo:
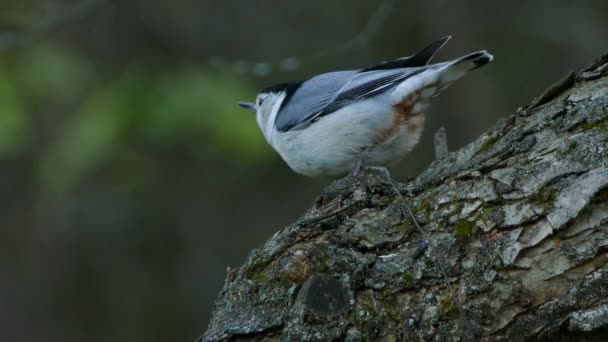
x=519 y=216
x=47 y=25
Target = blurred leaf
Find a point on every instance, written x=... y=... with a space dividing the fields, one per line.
x=20 y=12
x=195 y=106
x=14 y=120
x=89 y=138
x=235 y=128
x=51 y=72
x=185 y=107
x=176 y=115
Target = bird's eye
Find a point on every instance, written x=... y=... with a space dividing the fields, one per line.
x=260 y=101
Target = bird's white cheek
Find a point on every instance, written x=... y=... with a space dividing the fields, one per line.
x=259 y=120
x=261 y=123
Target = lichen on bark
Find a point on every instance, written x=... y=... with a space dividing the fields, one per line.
x=517 y=223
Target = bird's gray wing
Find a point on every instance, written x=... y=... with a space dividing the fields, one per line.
x=327 y=93
x=310 y=98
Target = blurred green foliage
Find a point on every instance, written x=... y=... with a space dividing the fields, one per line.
x=151 y=103
x=14 y=119
x=16 y=12
x=51 y=72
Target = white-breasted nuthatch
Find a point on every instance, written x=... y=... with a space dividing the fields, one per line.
x=323 y=125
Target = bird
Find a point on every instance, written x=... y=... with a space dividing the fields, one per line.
x=341 y=121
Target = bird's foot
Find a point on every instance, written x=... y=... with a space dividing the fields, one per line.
x=380 y=170
x=359 y=168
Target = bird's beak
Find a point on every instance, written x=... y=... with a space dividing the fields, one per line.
x=248 y=105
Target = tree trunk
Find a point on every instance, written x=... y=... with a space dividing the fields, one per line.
x=513 y=244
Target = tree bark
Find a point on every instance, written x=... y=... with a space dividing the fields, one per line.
x=514 y=247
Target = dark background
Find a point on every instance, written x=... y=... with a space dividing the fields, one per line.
x=129 y=178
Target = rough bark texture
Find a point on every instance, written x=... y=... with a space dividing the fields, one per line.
x=517 y=229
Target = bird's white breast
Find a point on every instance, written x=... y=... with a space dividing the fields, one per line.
x=333 y=144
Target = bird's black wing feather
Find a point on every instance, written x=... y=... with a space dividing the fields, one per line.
x=421 y=58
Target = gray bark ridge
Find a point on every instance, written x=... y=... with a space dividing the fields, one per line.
x=517 y=249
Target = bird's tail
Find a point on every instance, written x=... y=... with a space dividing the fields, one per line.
x=457 y=68
x=435 y=78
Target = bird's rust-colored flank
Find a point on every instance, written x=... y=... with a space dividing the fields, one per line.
x=405 y=115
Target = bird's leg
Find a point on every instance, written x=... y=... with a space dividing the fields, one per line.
x=346 y=185
x=384 y=172
x=359 y=165
x=380 y=170
x=358 y=172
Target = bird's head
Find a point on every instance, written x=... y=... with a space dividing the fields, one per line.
x=269 y=102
